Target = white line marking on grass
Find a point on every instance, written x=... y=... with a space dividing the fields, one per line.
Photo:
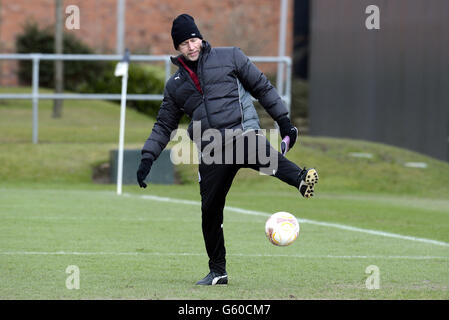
x=307 y=221
x=75 y=253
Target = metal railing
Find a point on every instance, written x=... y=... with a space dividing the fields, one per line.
x=35 y=96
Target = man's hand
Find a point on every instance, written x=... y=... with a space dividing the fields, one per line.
x=287 y=129
x=143 y=171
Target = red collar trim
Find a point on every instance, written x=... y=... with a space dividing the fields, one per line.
x=192 y=74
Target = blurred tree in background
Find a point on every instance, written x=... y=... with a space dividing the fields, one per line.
x=87 y=76
x=35 y=40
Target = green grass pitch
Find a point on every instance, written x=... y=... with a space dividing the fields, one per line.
x=139 y=247
x=147 y=244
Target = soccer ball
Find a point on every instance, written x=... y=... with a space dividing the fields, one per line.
x=282 y=228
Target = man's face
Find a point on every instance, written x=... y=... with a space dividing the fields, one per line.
x=191 y=48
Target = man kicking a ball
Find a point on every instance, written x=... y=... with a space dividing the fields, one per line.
x=213 y=86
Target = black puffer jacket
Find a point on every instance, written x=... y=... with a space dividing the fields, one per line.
x=221 y=105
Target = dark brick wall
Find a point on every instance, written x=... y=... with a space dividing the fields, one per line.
x=252 y=25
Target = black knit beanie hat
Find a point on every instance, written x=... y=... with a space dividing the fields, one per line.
x=184 y=28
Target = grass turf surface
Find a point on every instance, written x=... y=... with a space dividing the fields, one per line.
x=134 y=248
x=129 y=247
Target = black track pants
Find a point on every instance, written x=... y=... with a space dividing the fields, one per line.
x=215 y=182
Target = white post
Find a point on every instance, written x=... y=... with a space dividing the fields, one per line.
x=121 y=7
x=122 y=134
x=281 y=49
x=35 y=96
x=122 y=70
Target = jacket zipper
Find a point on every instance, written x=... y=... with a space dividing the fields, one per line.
x=200 y=78
x=241 y=105
x=199 y=68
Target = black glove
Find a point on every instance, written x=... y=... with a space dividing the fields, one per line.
x=287 y=129
x=143 y=171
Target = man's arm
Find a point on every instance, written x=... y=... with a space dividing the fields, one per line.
x=167 y=120
x=260 y=88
